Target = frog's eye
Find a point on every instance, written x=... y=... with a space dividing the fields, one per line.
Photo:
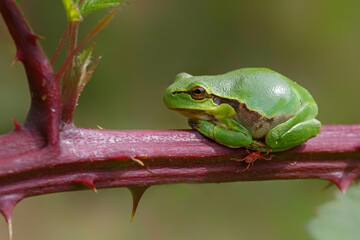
x=198 y=93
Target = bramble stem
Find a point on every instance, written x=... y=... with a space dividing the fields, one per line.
x=174 y=156
x=44 y=113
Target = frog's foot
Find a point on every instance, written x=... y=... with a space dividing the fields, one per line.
x=258 y=146
x=294 y=131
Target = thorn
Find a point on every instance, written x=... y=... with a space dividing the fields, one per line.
x=343 y=182
x=7 y=204
x=19 y=57
x=136 y=193
x=33 y=37
x=99 y=127
x=141 y=164
x=17 y=125
x=10 y=229
x=87 y=181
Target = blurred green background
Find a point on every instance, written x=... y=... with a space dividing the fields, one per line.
x=315 y=43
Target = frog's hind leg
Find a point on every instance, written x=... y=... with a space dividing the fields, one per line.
x=294 y=131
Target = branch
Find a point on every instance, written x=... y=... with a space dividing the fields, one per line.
x=104 y=158
x=44 y=113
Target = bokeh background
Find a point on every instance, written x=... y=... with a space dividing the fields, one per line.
x=315 y=43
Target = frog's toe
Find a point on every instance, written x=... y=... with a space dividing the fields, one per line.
x=258 y=146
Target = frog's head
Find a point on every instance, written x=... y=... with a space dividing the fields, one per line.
x=194 y=97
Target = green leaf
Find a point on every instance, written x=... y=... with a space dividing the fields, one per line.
x=339 y=219
x=72 y=10
x=85 y=55
x=80 y=72
x=88 y=6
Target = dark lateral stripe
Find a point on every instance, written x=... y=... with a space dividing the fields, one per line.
x=241 y=108
x=216 y=99
x=237 y=105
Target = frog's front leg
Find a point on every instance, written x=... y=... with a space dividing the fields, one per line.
x=294 y=131
x=224 y=131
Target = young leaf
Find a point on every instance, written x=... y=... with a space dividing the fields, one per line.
x=82 y=61
x=72 y=10
x=338 y=219
x=80 y=75
x=88 y=6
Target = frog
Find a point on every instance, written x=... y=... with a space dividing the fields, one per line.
x=256 y=108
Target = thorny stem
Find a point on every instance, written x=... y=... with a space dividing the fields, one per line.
x=105 y=157
x=94 y=158
x=44 y=114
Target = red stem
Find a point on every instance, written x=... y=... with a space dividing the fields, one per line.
x=69 y=86
x=173 y=155
x=44 y=113
x=61 y=43
x=93 y=158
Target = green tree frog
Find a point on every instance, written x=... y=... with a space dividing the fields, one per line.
x=256 y=108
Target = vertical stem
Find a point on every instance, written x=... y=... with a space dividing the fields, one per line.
x=57 y=51
x=68 y=86
x=44 y=113
x=73 y=27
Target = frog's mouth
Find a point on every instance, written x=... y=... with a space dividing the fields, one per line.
x=194 y=113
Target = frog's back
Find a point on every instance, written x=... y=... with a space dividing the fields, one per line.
x=265 y=97
x=262 y=90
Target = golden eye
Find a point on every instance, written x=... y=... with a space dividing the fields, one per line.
x=198 y=93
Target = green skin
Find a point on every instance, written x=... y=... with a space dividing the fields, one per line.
x=256 y=108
